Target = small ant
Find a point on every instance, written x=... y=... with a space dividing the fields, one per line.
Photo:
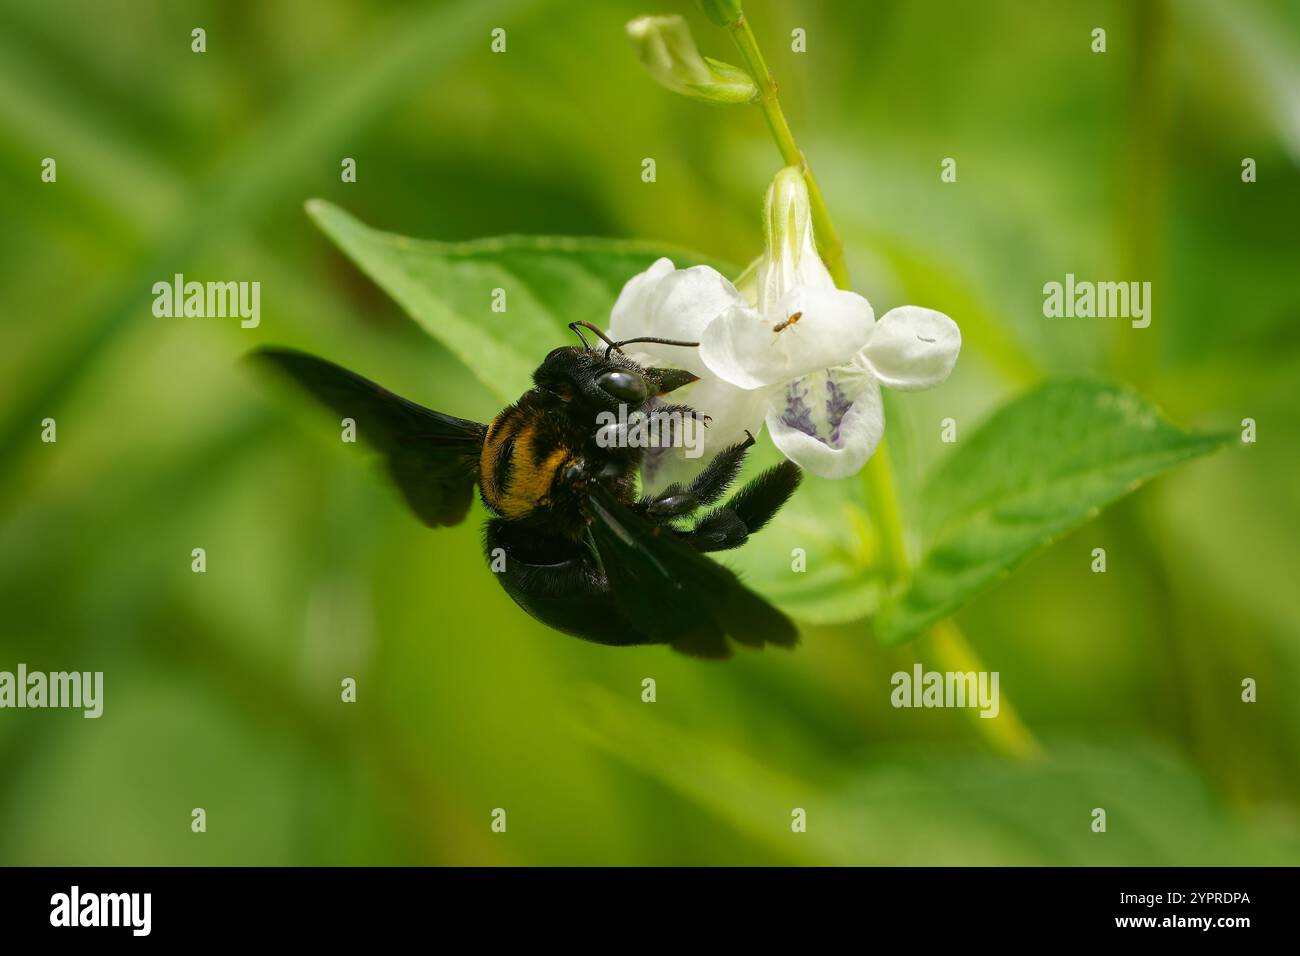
x=782 y=326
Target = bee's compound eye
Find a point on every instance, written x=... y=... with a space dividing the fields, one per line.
x=625 y=386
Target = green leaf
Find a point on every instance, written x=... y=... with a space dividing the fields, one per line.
x=1042 y=465
x=817 y=558
x=448 y=287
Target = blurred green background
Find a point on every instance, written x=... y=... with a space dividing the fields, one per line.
x=222 y=689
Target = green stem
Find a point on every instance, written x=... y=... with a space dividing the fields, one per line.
x=882 y=500
x=828 y=240
x=1006 y=732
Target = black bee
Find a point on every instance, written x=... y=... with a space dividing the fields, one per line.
x=571 y=542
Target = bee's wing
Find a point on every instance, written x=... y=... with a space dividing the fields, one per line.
x=432 y=457
x=673 y=592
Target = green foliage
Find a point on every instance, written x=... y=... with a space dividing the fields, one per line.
x=1041 y=465
x=545 y=283
x=824 y=529
x=928 y=808
x=923 y=809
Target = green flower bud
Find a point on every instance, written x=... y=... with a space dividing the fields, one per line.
x=666 y=49
x=722 y=12
x=790 y=257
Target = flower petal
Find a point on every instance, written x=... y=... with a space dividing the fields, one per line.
x=811 y=329
x=913 y=348
x=829 y=422
x=732 y=412
x=672 y=304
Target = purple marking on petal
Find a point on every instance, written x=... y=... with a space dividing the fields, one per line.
x=797 y=414
x=837 y=406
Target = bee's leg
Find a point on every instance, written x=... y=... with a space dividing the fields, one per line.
x=685 y=411
x=719 y=530
x=711 y=483
x=677 y=501
x=758 y=501
x=748 y=510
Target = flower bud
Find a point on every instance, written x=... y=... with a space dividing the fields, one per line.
x=791 y=258
x=666 y=49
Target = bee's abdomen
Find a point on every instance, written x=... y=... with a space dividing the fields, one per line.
x=518 y=466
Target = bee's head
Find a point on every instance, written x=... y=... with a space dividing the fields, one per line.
x=605 y=378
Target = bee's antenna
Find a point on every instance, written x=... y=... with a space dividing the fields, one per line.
x=574 y=327
x=611 y=344
x=656 y=341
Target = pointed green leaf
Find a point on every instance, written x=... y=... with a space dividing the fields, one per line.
x=1042 y=465
x=450 y=288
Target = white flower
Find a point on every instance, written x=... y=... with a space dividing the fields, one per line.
x=805 y=357
x=679 y=304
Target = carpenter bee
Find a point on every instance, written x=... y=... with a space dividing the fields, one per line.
x=571 y=540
